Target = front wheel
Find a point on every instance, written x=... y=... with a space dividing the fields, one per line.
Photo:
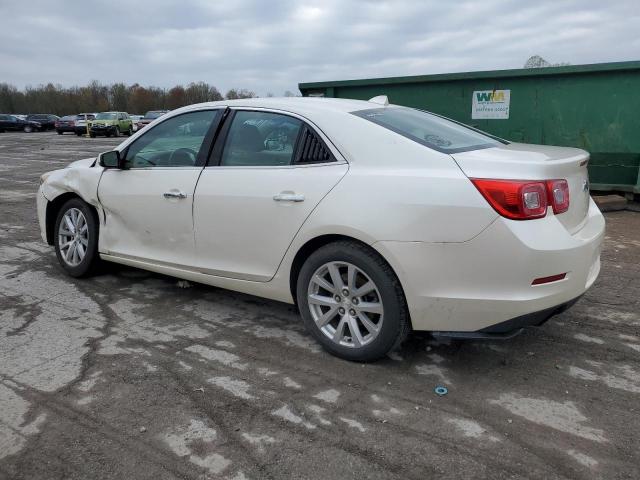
x=27 y=129
x=76 y=238
x=352 y=302
x=116 y=132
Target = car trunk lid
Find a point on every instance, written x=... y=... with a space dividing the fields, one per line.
x=518 y=161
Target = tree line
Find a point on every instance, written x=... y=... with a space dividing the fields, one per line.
x=97 y=97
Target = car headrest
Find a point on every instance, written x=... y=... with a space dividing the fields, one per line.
x=248 y=138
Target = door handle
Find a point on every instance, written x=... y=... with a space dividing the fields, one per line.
x=288 y=197
x=174 y=195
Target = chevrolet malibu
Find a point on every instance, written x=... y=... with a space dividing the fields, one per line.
x=374 y=219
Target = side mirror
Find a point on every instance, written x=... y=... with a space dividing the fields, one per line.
x=110 y=159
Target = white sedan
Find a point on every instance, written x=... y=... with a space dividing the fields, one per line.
x=375 y=219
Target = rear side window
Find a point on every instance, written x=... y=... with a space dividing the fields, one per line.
x=260 y=139
x=429 y=130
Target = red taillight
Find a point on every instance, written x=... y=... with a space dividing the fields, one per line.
x=515 y=199
x=558 y=192
x=524 y=199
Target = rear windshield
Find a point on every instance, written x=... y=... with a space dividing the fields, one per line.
x=153 y=115
x=68 y=117
x=429 y=130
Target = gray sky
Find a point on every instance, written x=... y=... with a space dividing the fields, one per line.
x=270 y=46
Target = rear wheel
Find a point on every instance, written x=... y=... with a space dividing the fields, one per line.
x=76 y=238
x=352 y=302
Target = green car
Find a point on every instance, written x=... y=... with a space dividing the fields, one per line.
x=111 y=123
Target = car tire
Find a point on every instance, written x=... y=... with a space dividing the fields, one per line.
x=71 y=258
x=59 y=132
x=130 y=132
x=27 y=129
x=92 y=135
x=79 y=134
x=116 y=132
x=387 y=329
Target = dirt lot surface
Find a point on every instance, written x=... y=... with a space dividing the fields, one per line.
x=127 y=375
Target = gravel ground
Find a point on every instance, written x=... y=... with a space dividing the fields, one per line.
x=128 y=375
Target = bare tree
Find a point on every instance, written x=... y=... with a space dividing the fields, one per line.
x=235 y=94
x=536 y=61
x=96 y=97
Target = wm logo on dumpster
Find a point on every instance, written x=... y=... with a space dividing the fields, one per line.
x=490 y=104
x=489 y=96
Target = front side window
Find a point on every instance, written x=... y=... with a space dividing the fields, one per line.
x=428 y=129
x=260 y=139
x=175 y=142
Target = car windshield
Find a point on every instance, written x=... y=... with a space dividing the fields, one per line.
x=106 y=116
x=430 y=130
x=152 y=115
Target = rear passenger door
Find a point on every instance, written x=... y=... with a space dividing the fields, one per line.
x=267 y=173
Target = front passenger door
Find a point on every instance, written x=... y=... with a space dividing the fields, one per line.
x=148 y=205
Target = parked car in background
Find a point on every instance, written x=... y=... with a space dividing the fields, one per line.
x=374 y=219
x=111 y=123
x=135 y=119
x=13 y=123
x=47 y=120
x=150 y=116
x=81 y=122
x=74 y=123
x=66 y=124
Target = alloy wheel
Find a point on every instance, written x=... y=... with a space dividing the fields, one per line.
x=345 y=304
x=73 y=237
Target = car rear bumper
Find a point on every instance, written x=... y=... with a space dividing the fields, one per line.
x=485 y=284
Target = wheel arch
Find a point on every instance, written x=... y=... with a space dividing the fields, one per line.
x=320 y=241
x=53 y=208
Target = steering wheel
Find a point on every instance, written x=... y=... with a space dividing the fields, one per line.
x=183 y=156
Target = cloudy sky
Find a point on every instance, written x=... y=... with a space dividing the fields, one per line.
x=270 y=46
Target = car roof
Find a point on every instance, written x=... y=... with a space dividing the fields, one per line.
x=300 y=105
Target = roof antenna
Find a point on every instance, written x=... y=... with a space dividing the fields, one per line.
x=380 y=100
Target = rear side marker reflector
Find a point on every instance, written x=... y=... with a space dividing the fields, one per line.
x=552 y=278
x=524 y=199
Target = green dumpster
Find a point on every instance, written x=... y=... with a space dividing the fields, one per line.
x=594 y=107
